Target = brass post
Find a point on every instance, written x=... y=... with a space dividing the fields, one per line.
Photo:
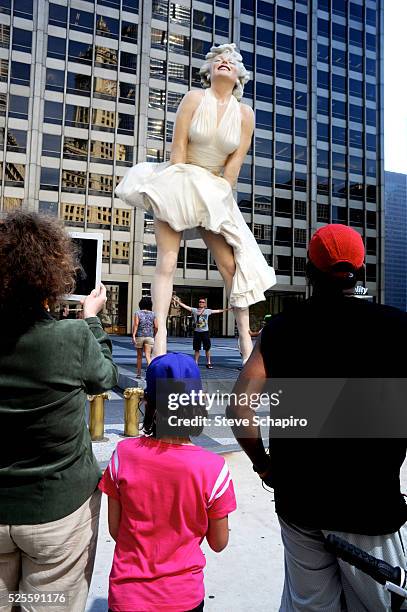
x=97 y=416
x=133 y=397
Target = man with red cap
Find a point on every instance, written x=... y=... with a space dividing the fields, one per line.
x=323 y=485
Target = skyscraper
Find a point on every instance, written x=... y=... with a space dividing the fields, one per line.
x=88 y=88
x=395 y=248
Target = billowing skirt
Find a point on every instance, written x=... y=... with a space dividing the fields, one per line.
x=188 y=197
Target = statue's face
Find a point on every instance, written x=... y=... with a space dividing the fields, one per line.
x=224 y=66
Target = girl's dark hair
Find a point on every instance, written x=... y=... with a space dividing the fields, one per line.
x=145 y=303
x=38 y=264
x=342 y=276
x=157 y=413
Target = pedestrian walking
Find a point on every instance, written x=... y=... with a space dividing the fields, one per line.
x=165 y=496
x=350 y=487
x=201 y=336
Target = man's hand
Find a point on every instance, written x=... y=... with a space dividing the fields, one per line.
x=94 y=302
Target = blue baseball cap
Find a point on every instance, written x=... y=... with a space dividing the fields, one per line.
x=174 y=368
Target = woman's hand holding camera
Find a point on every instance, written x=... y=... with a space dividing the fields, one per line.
x=94 y=302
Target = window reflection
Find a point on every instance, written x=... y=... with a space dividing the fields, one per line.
x=125 y=124
x=160 y=9
x=120 y=251
x=75 y=147
x=127 y=93
x=103 y=120
x=16 y=140
x=54 y=79
x=180 y=14
x=128 y=62
x=74 y=181
x=107 y=26
x=100 y=183
x=104 y=88
x=77 y=116
x=105 y=57
x=73 y=214
x=81 y=20
x=14 y=174
x=80 y=52
x=4 y=35
x=129 y=31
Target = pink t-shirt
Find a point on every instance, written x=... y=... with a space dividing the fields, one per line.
x=167 y=494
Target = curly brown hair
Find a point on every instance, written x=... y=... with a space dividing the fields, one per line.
x=38 y=264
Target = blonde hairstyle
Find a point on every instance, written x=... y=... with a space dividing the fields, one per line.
x=228 y=49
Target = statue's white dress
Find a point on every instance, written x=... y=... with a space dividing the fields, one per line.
x=192 y=195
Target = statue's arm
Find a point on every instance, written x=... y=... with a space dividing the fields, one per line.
x=235 y=160
x=185 y=111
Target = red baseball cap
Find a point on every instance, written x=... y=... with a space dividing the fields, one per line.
x=336 y=243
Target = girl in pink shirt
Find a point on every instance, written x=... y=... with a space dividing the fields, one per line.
x=165 y=496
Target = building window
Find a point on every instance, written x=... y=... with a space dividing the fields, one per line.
x=77 y=116
x=129 y=32
x=197 y=258
x=18 y=107
x=20 y=73
x=127 y=93
x=300 y=209
x=73 y=181
x=262 y=233
x=22 y=40
x=283 y=236
x=149 y=254
x=75 y=147
x=57 y=15
x=180 y=14
x=283 y=265
x=283 y=207
x=81 y=20
x=49 y=178
x=105 y=57
x=53 y=112
x=128 y=62
x=283 y=151
x=16 y=140
x=299 y=266
x=81 y=53
x=56 y=47
x=283 y=179
x=356 y=217
x=100 y=183
x=322 y=213
x=51 y=145
x=203 y=21
x=339 y=215
x=322 y=158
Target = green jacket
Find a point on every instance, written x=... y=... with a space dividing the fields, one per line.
x=47 y=467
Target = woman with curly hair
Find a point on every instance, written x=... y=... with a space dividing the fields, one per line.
x=212 y=136
x=49 y=502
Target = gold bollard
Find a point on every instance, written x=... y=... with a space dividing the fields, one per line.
x=133 y=397
x=97 y=416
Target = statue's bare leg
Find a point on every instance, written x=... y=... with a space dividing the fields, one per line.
x=168 y=242
x=222 y=253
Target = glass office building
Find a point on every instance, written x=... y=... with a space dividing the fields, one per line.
x=395 y=212
x=88 y=88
